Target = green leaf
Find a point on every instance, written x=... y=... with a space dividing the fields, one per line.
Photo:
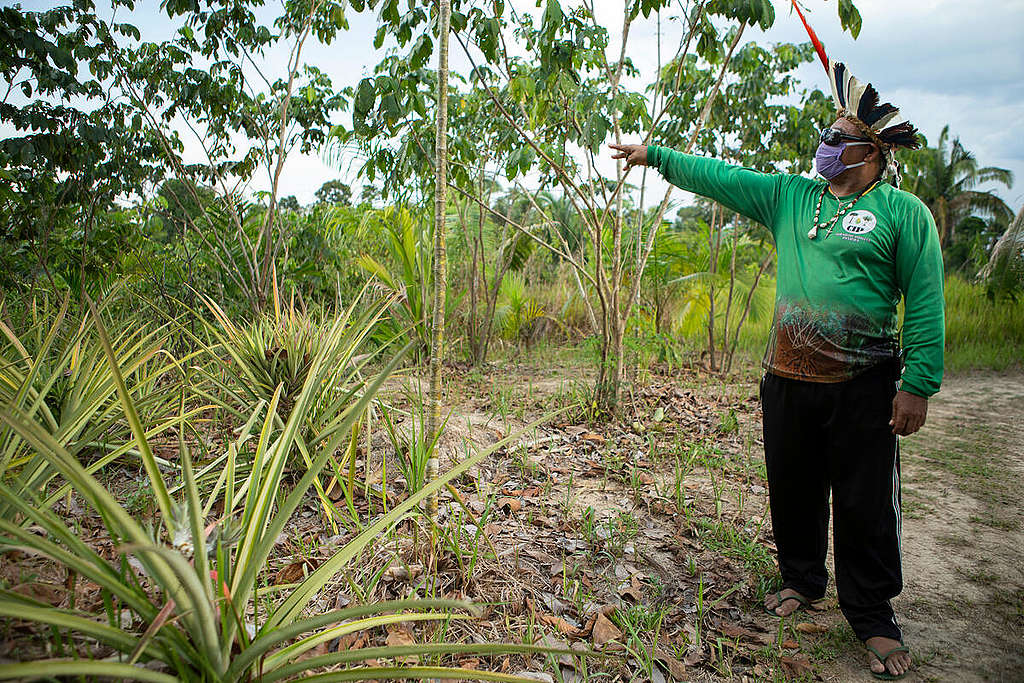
x=553 y=17
x=163 y=499
x=352 y=656
x=849 y=17
x=365 y=96
x=81 y=668
x=401 y=673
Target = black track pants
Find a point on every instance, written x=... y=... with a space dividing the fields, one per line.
x=821 y=437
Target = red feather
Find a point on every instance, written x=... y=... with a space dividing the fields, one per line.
x=814 y=38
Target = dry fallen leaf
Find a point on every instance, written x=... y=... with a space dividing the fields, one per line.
x=795 y=667
x=604 y=631
x=336 y=492
x=570 y=675
x=730 y=630
x=402 y=638
x=808 y=627
x=535 y=676
x=291 y=573
x=634 y=591
x=558 y=623
x=675 y=668
x=593 y=437
x=694 y=657
x=509 y=505
x=564 y=660
x=348 y=641
x=50 y=593
x=402 y=572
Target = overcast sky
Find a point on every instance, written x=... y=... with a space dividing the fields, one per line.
x=941 y=61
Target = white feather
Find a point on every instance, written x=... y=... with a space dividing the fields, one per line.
x=856 y=91
x=890 y=119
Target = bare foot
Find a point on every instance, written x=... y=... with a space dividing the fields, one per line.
x=790 y=602
x=896 y=663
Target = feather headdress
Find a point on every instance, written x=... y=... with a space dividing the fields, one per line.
x=859 y=102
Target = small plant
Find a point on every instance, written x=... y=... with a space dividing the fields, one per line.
x=580 y=400
x=679 y=471
x=407 y=277
x=503 y=401
x=566 y=502
x=611 y=535
x=273 y=356
x=721 y=536
x=412 y=451
x=727 y=422
x=516 y=310
x=588 y=524
x=641 y=627
x=461 y=538
x=138 y=498
x=642 y=484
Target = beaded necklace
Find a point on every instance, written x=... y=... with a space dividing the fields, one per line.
x=842 y=211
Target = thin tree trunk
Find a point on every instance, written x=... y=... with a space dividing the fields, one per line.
x=501 y=266
x=732 y=288
x=714 y=243
x=267 y=234
x=440 y=250
x=746 y=311
x=472 y=325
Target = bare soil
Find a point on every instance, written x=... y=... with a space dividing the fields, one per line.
x=962 y=608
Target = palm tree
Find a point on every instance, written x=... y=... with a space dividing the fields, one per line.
x=1004 y=273
x=944 y=177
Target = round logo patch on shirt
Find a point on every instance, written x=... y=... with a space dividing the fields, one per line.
x=859 y=222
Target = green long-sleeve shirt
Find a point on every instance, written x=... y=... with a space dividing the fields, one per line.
x=836 y=296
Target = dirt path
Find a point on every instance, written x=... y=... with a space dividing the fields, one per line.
x=962 y=608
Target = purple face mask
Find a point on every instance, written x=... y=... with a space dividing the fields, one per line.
x=827 y=160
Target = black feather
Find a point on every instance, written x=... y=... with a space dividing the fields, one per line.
x=901 y=135
x=838 y=74
x=876 y=114
x=867 y=104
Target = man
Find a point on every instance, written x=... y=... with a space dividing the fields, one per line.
x=848 y=248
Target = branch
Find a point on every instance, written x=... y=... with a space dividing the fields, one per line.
x=559 y=170
x=701 y=122
x=293 y=67
x=553 y=249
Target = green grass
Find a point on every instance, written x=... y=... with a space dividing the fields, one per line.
x=981 y=334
